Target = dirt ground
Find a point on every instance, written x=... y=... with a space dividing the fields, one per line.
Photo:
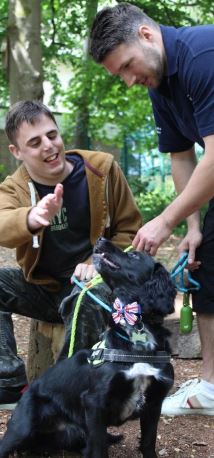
x=178 y=437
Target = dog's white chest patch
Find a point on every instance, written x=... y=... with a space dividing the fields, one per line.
x=140 y=373
x=135 y=402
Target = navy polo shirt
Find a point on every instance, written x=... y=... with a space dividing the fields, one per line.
x=183 y=104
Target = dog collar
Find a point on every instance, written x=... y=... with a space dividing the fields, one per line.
x=100 y=355
x=125 y=312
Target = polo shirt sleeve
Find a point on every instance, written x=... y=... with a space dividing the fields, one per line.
x=170 y=139
x=199 y=81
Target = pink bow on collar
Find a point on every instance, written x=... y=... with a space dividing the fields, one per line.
x=127 y=312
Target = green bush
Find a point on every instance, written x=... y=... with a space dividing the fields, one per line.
x=152 y=203
x=3 y=172
x=138 y=185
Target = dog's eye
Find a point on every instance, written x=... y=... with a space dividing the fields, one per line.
x=131 y=277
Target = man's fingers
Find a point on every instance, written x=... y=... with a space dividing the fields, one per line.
x=58 y=191
x=144 y=245
x=85 y=272
x=90 y=272
x=41 y=216
x=135 y=241
x=153 y=250
x=191 y=254
x=193 y=266
x=42 y=221
x=138 y=242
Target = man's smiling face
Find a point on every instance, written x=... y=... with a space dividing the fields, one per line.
x=40 y=147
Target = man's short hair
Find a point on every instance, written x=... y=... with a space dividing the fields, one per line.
x=24 y=111
x=114 y=26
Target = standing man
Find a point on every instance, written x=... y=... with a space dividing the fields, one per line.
x=52 y=210
x=177 y=66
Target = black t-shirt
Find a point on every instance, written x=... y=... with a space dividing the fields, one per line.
x=67 y=240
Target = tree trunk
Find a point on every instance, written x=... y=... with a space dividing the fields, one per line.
x=45 y=343
x=82 y=139
x=24 y=50
x=26 y=83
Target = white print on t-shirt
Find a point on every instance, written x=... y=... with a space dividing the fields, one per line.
x=60 y=221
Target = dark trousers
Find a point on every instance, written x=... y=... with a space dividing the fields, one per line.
x=203 y=299
x=18 y=296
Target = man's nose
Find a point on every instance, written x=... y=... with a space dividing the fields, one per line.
x=129 y=79
x=47 y=143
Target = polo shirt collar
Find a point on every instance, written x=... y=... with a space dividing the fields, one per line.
x=169 y=35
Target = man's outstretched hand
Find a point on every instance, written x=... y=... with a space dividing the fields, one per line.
x=46 y=209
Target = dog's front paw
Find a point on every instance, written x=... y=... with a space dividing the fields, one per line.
x=95 y=452
x=148 y=452
x=114 y=438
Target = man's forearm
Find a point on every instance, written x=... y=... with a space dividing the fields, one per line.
x=183 y=166
x=199 y=190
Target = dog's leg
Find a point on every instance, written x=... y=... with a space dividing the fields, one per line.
x=65 y=437
x=97 y=440
x=97 y=446
x=149 y=422
x=19 y=430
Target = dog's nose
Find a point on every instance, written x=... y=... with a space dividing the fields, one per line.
x=98 y=245
x=101 y=239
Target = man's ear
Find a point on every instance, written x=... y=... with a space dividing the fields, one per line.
x=145 y=32
x=14 y=150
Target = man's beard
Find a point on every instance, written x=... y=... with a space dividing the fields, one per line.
x=157 y=65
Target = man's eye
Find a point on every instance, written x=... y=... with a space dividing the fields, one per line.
x=35 y=144
x=52 y=135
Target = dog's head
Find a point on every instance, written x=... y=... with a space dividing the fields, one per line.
x=135 y=277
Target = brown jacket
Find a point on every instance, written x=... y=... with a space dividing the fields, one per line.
x=113 y=211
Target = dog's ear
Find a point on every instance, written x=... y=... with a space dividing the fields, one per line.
x=159 y=293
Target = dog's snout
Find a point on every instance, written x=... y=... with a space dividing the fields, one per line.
x=100 y=240
x=101 y=244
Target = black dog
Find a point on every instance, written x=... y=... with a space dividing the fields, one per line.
x=126 y=376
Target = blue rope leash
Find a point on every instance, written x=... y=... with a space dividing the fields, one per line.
x=87 y=291
x=177 y=274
